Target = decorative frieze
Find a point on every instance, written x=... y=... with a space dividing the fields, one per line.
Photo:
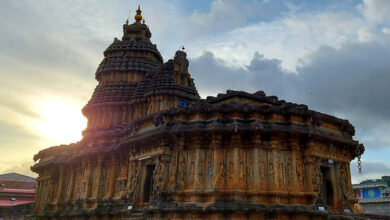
x=152 y=145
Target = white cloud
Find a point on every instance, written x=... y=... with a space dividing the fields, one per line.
x=224 y=15
x=288 y=38
x=350 y=82
x=370 y=169
x=55 y=47
x=376 y=11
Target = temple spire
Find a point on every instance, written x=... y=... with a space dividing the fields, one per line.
x=138 y=16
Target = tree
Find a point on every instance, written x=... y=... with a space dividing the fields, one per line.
x=367 y=181
x=386 y=179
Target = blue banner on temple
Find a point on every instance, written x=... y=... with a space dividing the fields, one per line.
x=371 y=193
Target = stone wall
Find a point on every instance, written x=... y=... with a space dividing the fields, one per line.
x=378 y=208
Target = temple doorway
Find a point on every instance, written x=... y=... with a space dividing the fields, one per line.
x=327 y=189
x=148 y=183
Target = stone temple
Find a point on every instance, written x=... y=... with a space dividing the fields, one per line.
x=153 y=149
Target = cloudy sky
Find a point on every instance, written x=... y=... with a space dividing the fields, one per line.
x=332 y=55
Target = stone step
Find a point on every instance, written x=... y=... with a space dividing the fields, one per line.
x=137 y=214
x=132 y=217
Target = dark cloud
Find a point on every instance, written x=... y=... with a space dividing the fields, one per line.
x=54 y=47
x=353 y=78
x=350 y=82
x=212 y=75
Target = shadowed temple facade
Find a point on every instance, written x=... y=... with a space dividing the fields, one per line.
x=153 y=149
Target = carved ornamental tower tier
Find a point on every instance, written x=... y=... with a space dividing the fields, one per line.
x=133 y=82
x=153 y=149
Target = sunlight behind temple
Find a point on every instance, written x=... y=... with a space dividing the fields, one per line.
x=62 y=121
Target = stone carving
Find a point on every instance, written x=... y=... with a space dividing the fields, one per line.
x=220 y=177
x=242 y=174
x=280 y=172
x=143 y=107
x=102 y=182
x=250 y=170
x=231 y=171
x=210 y=171
x=299 y=171
x=271 y=173
x=191 y=173
x=289 y=172
x=200 y=173
x=133 y=177
x=158 y=178
x=343 y=183
x=316 y=177
x=183 y=170
x=241 y=168
x=173 y=175
x=262 y=168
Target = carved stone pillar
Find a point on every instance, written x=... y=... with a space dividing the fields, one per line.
x=96 y=179
x=219 y=173
x=160 y=176
x=344 y=184
x=51 y=189
x=313 y=174
x=191 y=168
x=69 y=191
x=90 y=175
x=296 y=175
x=57 y=193
x=263 y=167
x=84 y=178
x=254 y=183
x=199 y=163
x=271 y=171
x=111 y=176
x=241 y=168
x=209 y=173
x=173 y=170
x=134 y=170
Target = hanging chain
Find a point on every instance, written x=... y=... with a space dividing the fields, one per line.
x=359 y=162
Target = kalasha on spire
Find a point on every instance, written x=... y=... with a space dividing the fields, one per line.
x=138 y=16
x=153 y=148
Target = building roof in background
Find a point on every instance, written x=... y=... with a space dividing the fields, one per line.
x=17 y=177
x=30 y=191
x=369 y=185
x=17 y=201
x=17 y=184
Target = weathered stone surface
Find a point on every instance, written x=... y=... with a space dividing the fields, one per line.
x=154 y=149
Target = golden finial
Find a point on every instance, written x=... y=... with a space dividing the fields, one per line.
x=143 y=21
x=138 y=16
x=127 y=21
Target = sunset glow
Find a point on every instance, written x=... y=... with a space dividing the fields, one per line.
x=332 y=56
x=61 y=121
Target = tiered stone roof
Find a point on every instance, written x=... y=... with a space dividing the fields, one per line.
x=210 y=106
x=136 y=54
x=126 y=63
x=133 y=46
x=113 y=93
x=239 y=146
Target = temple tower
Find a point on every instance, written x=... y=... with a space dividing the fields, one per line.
x=129 y=80
x=154 y=150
